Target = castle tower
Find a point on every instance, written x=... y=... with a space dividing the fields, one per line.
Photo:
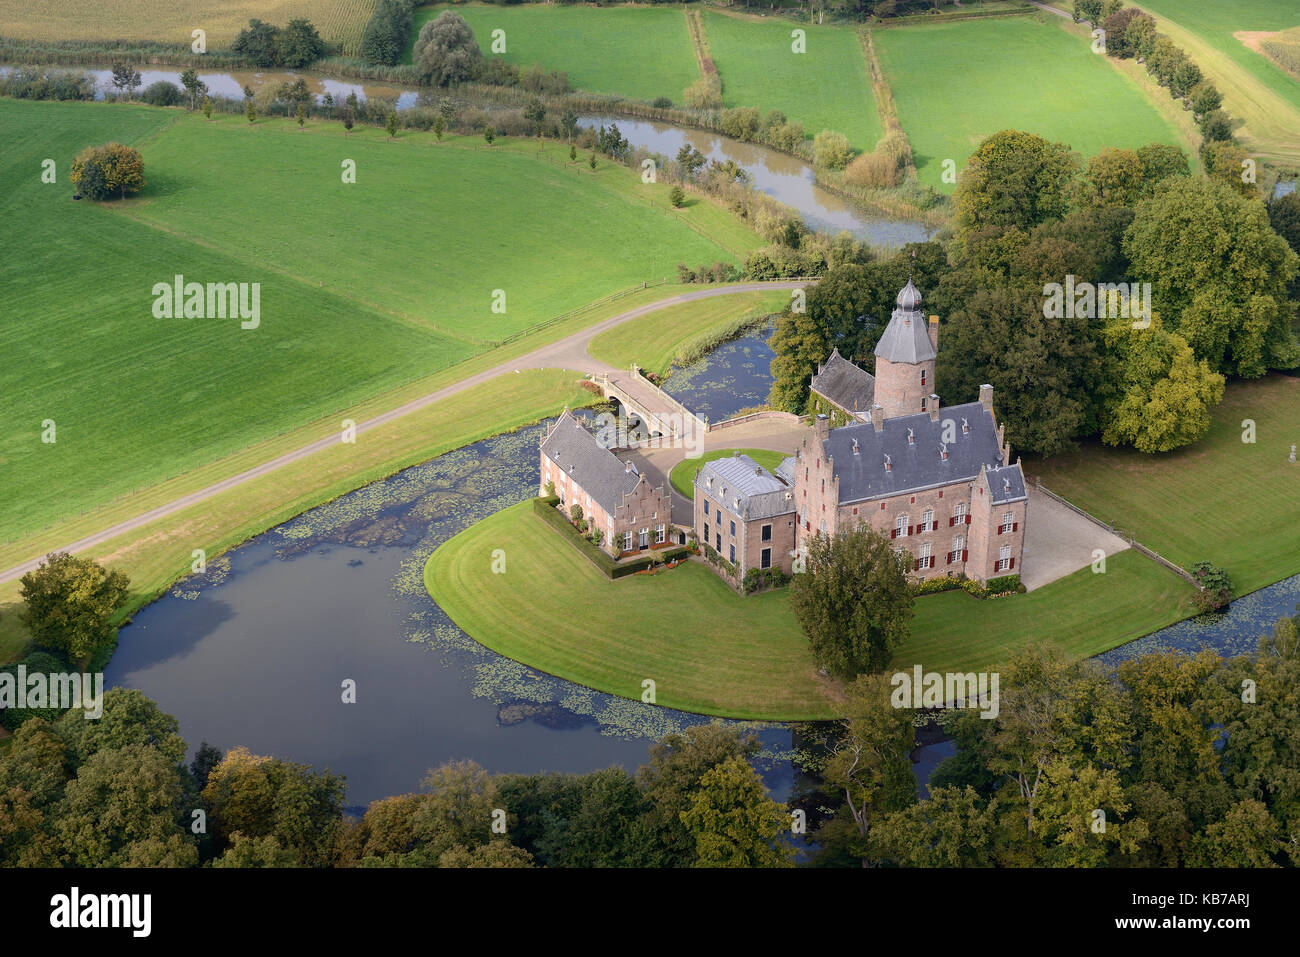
x=905 y=357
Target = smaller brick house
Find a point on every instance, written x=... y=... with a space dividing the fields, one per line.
x=630 y=513
x=745 y=513
x=842 y=390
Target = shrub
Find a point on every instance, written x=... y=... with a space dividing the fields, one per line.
x=102 y=172
x=1216 y=584
x=703 y=94
x=677 y=196
x=831 y=149
x=387 y=33
x=873 y=170
x=758 y=579
x=163 y=93
x=575 y=512
x=445 y=51
x=742 y=123
x=662 y=103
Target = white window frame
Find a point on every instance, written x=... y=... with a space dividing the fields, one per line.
x=927 y=556
x=659 y=535
x=1004 y=558
x=900 y=526
x=927 y=520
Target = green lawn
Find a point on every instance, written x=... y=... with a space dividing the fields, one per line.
x=1220 y=500
x=1255 y=89
x=674 y=336
x=364 y=286
x=827 y=87
x=639 y=52
x=683 y=473
x=957 y=83
x=711 y=651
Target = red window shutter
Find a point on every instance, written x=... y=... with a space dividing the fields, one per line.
x=911 y=529
x=952 y=520
x=967 y=518
x=917 y=566
x=949 y=558
x=1013 y=564
x=893 y=533
x=1015 y=526
x=964 y=553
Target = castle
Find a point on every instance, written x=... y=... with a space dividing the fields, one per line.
x=938 y=481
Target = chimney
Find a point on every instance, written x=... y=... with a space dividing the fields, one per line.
x=627 y=466
x=888 y=462
x=822 y=425
x=855 y=446
x=934 y=332
x=1002 y=443
x=878 y=417
x=986 y=397
x=933 y=407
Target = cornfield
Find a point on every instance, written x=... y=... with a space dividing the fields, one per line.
x=1284 y=48
x=173 y=21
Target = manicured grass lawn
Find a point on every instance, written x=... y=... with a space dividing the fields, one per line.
x=1220 y=500
x=683 y=473
x=825 y=88
x=957 y=83
x=673 y=336
x=364 y=286
x=1255 y=90
x=711 y=651
x=706 y=648
x=639 y=52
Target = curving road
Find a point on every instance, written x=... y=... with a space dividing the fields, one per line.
x=567 y=353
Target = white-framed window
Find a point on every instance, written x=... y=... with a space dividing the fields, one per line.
x=1004 y=558
x=927 y=557
x=645 y=537
x=627 y=541
x=900 y=526
x=659 y=535
x=1008 y=520
x=765 y=558
x=958 y=544
x=927 y=521
x=959 y=513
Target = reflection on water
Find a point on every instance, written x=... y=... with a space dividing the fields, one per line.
x=736 y=375
x=255 y=651
x=780 y=175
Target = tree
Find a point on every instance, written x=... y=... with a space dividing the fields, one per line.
x=1116 y=177
x=445 y=51
x=69 y=603
x=1014 y=179
x=677 y=196
x=689 y=161
x=302 y=115
x=391 y=126
x=1044 y=368
x=384 y=39
x=1228 y=163
x=489 y=135
x=573 y=153
x=1219 y=275
x=258 y=42
x=207 y=108
x=871 y=767
x=535 y=113
x=125 y=78
x=1204 y=98
x=831 y=149
x=1216 y=126
x=250 y=110
x=194 y=87
x=205 y=759
x=800 y=343
x=438 y=128
x=1160 y=162
x=853 y=601
x=162 y=93
x=1116 y=26
x=592 y=162
x=1164 y=394
x=347 y=122
x=734 y=822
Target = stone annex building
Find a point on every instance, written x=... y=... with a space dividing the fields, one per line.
x=938 y=481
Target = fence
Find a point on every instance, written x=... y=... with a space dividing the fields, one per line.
x=1150 y=553
x=769 y=414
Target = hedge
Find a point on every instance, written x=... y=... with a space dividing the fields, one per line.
x=545 y=508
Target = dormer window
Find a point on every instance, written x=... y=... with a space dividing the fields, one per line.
x=855 y=446
x=889 y=465
x=965 y=427
x=943 y=452
x=911 y=437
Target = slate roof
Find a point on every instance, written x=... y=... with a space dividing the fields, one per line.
x=600 y=473
x=906 y=338
x=918 y=464
x=745 y=488
x=849 y=387
x=1006 y=484
x=785 y=471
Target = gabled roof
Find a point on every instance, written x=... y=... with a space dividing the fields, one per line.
x=1006 y=484
x=745 y=488
x=906 y=339
x=843 y=383
x=600 y=473
x=914 y=464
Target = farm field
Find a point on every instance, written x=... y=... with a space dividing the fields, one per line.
x=1171 y=502
x=640 y=52
x=658 y=341
x=339 y=21
x=1255 y=90
x=136 y=399
x=664 y=627
x=826 y=88
x=682 y=476
x=953 y=89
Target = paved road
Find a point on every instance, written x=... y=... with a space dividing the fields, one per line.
x=567 y=353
